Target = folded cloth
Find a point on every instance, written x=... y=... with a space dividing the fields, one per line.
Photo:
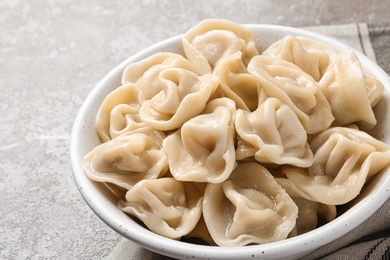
x=371 y=239
x=379 y=35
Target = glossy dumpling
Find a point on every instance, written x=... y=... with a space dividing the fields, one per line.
x=274 y=133
x=166 y=206
x=211 y=40
x=294 y=87
x=118 y=113
x=311 y=56
x=145 y=72
x=201 y=232
x=149 y=83
x=350 y=93
x=128 y=158
x=183 y=95
x=237 y=83
x=248 y=208
x=202 y=150
x=124 y=118
x=311 y=214
x=344 y=159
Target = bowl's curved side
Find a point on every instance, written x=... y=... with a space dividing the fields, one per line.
x=84 y=139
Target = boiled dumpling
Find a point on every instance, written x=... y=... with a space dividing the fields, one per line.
x=128 y=158
x=118 y=113
x=311 y=214
x=311 y=56
x=274 y=133
x=211 y=40
x=200 y=231
x=145 y=72
x=350 y=93
x=202 y=150
x=344 y=159
x=248 y=208
x=237 y=83
x=124 y=118
x=166 y=206
x=183 y=95
x=294 y=87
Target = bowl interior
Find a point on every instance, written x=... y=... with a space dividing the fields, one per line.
x=104 y=203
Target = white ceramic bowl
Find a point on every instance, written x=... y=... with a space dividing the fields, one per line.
x=84 y=139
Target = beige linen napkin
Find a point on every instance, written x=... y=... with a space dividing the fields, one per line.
x=371 y=239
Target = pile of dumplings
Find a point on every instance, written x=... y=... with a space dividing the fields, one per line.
x=236 y=147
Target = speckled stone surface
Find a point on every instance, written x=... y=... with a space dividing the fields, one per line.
x=52 y=53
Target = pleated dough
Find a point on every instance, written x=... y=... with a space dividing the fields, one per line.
x=248 y=208
x=350 y=93
x=145 y=72
x=166 y=206
x=344 y=159
x=118 y=113
x=311 y=214
x=294 y=87
x=237 y=83
x=127 y=159
x=274 y=133
x=211 y=40
x=200 y=231
x=311 y=56
x=183 y=95
x=202 y=150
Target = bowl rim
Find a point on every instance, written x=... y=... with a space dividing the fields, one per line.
x=149 y=240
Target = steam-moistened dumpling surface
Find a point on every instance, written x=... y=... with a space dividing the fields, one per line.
x=311 y=56
x=237 y=83
x=287 y=82
x=344 y=158
x=200 y=231
x=128 y=158
x=274 y=133
x=183 y=95
x=210 y=41
x=202 y=150
x=166 y=206
x=118 y=113
x=350 y=93
x=311 y=214
x=145 y=73
x=249 y=207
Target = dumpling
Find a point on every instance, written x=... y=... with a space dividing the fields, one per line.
x=201 y=232
x=344 y=159
x=294 y=87
x=248 y=208
x=183 y=95
x=275 y=133
x=128 y=158
x=124 y=118
x=211 y=40
x=118 y=113
x=237 y=83
x=149 y=83
x=311 y=214
x=313 y=57
x=145 y=72
x=166 y=206
x=350 y=93
x=202 y=150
